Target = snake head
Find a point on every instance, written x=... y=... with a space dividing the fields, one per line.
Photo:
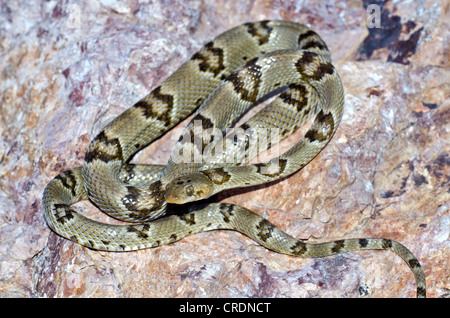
x=188 y=188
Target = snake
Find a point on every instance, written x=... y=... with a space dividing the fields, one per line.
x=217 y=85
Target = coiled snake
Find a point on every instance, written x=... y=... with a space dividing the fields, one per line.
x=220 y=82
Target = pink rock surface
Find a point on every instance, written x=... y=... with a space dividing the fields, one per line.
x=67 y=70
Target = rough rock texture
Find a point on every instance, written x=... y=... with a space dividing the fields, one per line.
x=68 y=69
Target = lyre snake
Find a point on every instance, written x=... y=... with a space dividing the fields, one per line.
x=220 y=82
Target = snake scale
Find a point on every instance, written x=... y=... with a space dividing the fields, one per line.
x=218 y=84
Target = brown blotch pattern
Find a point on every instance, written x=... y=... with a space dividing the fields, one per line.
x=314 y=41
x=386 y=244
x=104 y=149
x=63 y=213
x=363 y=242
x=414 y=263
x=130 y=201
x=300 y=92
x=304 y=63
x=188 y=218
x=157 y=105
x=314 y=45
x=304 y=36
x=198 y=138
x=141 y=233
x=217 y=176
x=322 y=128
x=68 y=180
x=338 y=246
x=260 y=31
x=264 y=230
x=206 y=122
x=211 y=59
x=173 y=238
x=421 y=292
x=227 y=212
x=322 y=70
x=299 y=248
x=246 y=81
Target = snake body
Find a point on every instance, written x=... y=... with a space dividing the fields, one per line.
x=219 y=83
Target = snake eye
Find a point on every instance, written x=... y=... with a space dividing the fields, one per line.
x=189 y=190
